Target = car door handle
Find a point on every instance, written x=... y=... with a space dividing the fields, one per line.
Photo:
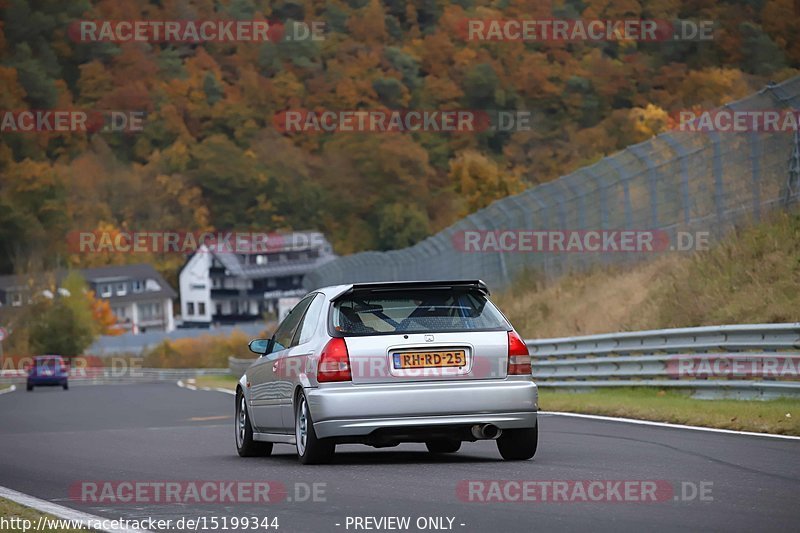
x=275 y=366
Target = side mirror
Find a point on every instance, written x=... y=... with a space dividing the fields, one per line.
x=259 y=346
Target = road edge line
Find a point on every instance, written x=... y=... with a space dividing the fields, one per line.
x=59 y=511
x=668 y=425
x=183 y=385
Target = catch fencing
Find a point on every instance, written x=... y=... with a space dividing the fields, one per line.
x=678 y=182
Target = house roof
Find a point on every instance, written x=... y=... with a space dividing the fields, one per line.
x=141 y=271
x=234 y=264
x=108 y=274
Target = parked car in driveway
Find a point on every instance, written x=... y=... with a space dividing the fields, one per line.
x=385 y=363
x=49 y=371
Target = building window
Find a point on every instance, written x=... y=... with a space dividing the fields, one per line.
x=219 y=309
x=122 y=289
x=150 y=311
x=138 y=286
x=216 y=283
x=261 y=259
x=190 y=308
x=105 y=290
x=271 y=283
x=295 y=280
x=16 y=299
x=201 y=308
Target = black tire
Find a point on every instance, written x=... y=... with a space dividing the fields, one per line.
x=443 y=446
x=29 y=387
x=243 y=432
x=311 y=450
x=518 y=444
x=66 y=386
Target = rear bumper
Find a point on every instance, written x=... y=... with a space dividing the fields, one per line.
x=47 y=380
x=349 y=410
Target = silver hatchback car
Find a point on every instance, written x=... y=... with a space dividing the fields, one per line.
x=385 y=363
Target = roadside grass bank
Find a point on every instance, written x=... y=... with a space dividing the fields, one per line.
x=215 y=382
x=11 y=510
x=780 y=416
x=751 y=276
x=203 y=351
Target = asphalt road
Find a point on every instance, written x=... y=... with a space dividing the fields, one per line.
x=51 y=439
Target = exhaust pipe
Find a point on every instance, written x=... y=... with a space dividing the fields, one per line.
x=486 y=431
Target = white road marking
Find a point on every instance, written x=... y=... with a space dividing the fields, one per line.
x=668 y=425
x=217 y=389
x=12 y=388
x=62 y=512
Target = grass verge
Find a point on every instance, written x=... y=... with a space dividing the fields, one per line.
x=217 y=382
x=9 y=510
x=781 y=416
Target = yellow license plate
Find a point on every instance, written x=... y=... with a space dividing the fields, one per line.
x=442 y=359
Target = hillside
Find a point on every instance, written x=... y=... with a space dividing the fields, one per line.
x=209 y=155
x=753 y=276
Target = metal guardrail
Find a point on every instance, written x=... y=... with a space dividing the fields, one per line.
x=737 y=361
x=683 y=358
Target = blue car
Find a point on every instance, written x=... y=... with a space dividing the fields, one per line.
x=49 y=371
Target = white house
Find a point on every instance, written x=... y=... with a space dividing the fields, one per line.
x=231 y=286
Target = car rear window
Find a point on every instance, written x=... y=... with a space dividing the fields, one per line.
x=422 y=311
x=46 y=364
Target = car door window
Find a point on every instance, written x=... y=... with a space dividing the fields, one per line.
x=285 y=332
x=309 y=324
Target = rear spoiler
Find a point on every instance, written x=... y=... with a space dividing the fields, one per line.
x=387 y=286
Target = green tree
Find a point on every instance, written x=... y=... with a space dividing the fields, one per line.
x=401 y=225
x=64 y=324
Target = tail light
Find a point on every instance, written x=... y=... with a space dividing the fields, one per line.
x=334 y=362
x=519 y=360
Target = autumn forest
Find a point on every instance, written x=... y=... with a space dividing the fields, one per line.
x=210 y=157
